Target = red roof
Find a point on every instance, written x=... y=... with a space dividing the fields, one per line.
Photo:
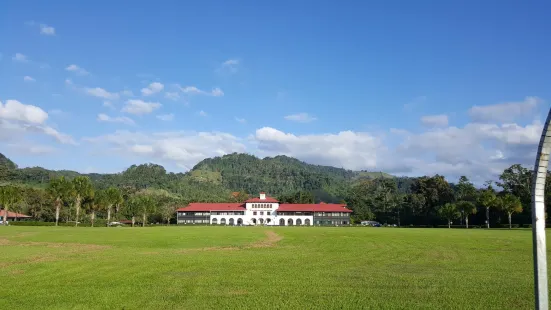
x=257 y=199
x=224 y=206
x=13 y=214
x=321 y=207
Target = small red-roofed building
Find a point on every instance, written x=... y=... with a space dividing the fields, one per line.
x=264 y=210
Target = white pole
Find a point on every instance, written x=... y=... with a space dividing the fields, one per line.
x=538 y=217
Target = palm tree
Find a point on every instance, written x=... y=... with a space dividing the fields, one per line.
x=83 y=190
x=95 y=204
x=487 y=199
x=449 y=212
x=147 y=205
x=113 y=197
x=60 y=190
x=132 y=208
x=510 y=204
x=9 y=195
x=466 y=208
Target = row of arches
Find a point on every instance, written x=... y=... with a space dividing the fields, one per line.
x=261 y=221
x=231 y=221
x=297 y=222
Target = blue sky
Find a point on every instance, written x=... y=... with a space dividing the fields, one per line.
x=407 y=87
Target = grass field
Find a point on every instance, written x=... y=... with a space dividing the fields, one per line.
x=260 y=267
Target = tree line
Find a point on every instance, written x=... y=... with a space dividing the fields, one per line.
x=77 y=199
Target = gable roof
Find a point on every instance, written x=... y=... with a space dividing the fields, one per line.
x=13 y=214
x=222 y=206
x=312 y=207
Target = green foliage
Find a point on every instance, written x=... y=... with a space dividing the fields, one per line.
x=449 y=212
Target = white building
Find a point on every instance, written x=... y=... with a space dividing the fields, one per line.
x=264 y=210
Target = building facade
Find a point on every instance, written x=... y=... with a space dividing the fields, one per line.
x=264 y=210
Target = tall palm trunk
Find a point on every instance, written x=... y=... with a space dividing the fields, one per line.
x=77 y=204
x=57 y=209
x=133 y=220
x=93 y=217
x=143 y=221
x=109 y=214
x=449 y=224
x=510 y=226
x=488 y=217
x=467 y=221
x=6 y=209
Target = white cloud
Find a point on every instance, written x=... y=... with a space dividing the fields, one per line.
x=153 y=88
x=203 y=113
x=184 y=149
x=172 y=96
x=229 y=66
x=139 y=107
x=20 y=58
x=216 y=92
x=17 y=118
x=166 y=117
x=77 y=70
x=121 y=119
x=240 y=120
x=47 y=30
x=28 y=79
x=348 y=149
x=68 y=82
x=435 y=120
x=127 y=93
x=504 y=112
x=300 y=117
x=14 y=110
x=100 y=93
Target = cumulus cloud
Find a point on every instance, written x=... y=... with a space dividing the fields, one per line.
x=120 y=119
x=192 y=90
x=99 y=92
x=18 y=57
x=28 y=79
x=47 y=30
x=184 y=149
x=76 y=70
x=166 y=117
x=18 y=119
x=140 y=107
x=300 y=117
x=435 y=120
x=152 y=88
x=504 y=112
x=352 y=150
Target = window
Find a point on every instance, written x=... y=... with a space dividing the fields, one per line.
x=254 y=213
x=344 y=222
x=261 y=213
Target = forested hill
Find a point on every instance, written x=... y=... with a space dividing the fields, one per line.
x=212 y=179
x=276 y=175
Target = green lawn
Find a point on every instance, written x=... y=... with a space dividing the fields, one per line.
x=271 y=268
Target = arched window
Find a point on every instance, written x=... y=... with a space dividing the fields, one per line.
x=307 y=222
x=261 y=221
x=239 y=222
x=254 y=221
x=290 y=222
x=232 y=221
x=222 y=221
x=214 y=221
x=281 y=222
x=299 y=222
